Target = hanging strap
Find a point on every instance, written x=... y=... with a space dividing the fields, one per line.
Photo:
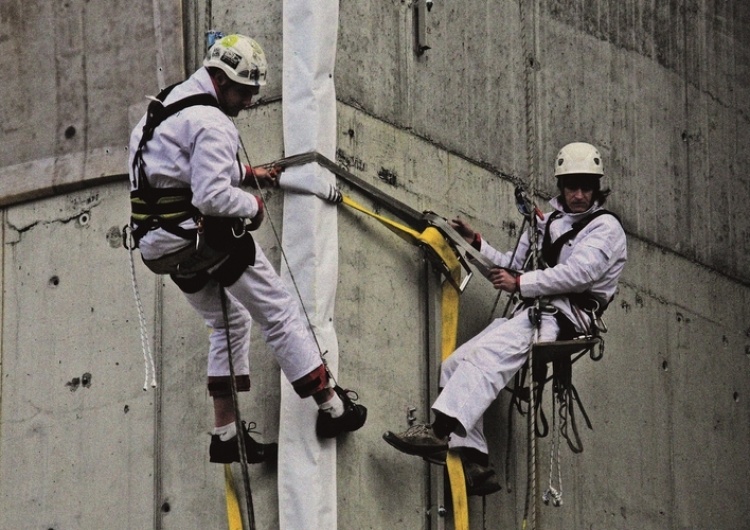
x=431 y=238
x=234 y=512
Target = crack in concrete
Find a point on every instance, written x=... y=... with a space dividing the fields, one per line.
x=21 y=229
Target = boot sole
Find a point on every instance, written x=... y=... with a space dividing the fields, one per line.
x=410 y=449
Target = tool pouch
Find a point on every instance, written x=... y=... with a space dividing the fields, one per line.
x=215 y=240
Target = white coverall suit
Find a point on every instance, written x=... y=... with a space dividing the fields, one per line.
x=197 y=149
x=475 y=373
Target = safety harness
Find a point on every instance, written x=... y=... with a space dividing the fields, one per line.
x=550 y=250
x=561 y=354
x=216 y=238
x=164 y=208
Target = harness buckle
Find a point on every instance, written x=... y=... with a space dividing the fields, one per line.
x=199 y=228
x=128 y=241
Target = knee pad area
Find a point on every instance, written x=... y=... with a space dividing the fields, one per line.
x=311 y=383
x=221 y=386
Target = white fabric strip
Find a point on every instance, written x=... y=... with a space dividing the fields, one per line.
x=307 y=465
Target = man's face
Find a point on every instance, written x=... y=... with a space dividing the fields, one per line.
x=578 y=192
x=235 y=97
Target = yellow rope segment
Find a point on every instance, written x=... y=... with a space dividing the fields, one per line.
x=449 y=329
x=234 y=515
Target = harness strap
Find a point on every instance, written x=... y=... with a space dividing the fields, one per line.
x=158 y=112
x=550 y=250
x=164 y=208
x=169 y=203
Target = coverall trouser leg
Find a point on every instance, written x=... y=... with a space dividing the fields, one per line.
x=260 y=295
x=472 y=376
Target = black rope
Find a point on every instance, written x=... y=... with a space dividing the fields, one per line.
x=237 y=419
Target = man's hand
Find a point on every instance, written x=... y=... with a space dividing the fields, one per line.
x=256 y=221
x=261 y=176
x=463 y=229
x=503 y=280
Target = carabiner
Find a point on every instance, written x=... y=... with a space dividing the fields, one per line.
x=127 y=237
x=241 y=225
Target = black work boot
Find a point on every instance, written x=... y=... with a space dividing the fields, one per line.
x=226 y=452
x=480 y=480
x=353 y=418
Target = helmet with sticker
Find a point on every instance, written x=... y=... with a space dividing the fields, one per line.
x=241 y=58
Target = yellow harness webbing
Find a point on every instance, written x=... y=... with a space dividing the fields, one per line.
x=449 y=328
x=432 y=238
x=234 y=515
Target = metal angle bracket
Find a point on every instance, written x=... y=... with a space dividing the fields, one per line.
x=420 y=8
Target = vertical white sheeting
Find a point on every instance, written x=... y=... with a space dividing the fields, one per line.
x=307 y=465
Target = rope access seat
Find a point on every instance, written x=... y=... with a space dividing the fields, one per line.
x=560 y=355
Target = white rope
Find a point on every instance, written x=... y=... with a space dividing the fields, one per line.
x=148 y=358
x=554 y=494
x=532 y=493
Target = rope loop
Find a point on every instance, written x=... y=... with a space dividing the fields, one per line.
x=148 y=358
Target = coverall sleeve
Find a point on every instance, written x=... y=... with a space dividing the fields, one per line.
x=583 y=262
x=503 y=259
x=216 y=174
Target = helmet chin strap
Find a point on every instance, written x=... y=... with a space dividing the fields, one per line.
x=218 y=86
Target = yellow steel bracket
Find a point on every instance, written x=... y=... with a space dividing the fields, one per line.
x=436 y=242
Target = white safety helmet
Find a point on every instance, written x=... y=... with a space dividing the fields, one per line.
x=579 y=157
x=241 y=58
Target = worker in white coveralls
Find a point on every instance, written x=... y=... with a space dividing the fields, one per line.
x=584 y=251
x=191 y=219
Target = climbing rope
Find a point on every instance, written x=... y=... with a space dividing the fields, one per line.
x=289 y=162
x=500 y=293
x=530 y=116
x=148 y=358
x=554 y=494
x=237 y=417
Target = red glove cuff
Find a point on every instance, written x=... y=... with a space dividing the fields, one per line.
x=249 y=179
x=477 y=241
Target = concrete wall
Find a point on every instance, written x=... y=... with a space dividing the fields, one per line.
x=661 y=88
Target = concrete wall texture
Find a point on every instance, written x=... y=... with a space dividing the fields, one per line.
x=661 y=86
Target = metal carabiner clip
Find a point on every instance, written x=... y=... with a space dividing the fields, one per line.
x=240 y=224
x=127 y=237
